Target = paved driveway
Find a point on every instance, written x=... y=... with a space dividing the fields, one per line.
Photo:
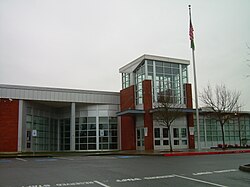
x=209 y=170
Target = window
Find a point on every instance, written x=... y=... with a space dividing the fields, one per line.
x=157 y=132
x=125 y=80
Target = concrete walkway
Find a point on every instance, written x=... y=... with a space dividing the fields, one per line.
x=183 y=152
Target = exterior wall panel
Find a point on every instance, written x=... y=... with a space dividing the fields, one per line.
x=56 y=94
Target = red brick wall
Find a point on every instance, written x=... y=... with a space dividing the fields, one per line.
x=8 y=125
x=190 y=116
x=128 y=137
x=148 y=118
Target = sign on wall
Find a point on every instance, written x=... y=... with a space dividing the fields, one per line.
x=101 y=133
x=191 y=130
x=34 y=133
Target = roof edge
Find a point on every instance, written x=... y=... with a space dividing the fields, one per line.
x=40 y=88
x=132 y=65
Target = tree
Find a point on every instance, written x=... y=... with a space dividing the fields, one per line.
x=166 y=111
x=223 y=102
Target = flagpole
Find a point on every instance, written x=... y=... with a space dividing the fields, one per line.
x=195 y=90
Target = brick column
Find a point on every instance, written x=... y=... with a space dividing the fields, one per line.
x=190 y=116
x=128 y=136
x=148 y=117
x=8 y=125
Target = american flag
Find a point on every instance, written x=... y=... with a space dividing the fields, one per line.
x=191 y=33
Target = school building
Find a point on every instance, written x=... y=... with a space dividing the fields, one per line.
x=36 y=119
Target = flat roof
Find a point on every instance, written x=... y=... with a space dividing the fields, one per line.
x=130 y=67
x=58 y=94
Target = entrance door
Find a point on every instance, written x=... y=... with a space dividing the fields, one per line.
x=161 y=139
x=140 y=139
x=180 y=139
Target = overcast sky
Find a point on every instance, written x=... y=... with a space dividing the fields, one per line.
x=83 y=43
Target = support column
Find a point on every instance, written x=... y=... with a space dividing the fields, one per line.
x=58 y=135
x=20 y=126
x=148 y=117
x=190 y=117
x=128 y=135
x=72 y=126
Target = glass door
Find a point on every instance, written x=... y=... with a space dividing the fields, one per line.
x=180 y=139
x=140 y=139
x=161 y=139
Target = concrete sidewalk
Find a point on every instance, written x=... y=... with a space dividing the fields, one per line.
x=183 y=152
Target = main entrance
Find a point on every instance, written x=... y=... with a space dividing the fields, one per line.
x=179 y=138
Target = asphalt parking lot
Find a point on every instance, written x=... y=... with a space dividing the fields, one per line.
x=206 y=170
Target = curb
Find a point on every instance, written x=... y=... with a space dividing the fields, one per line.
x=206 y=153
x=191 y=153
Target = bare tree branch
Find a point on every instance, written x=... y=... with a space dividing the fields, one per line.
x=223 y=102
x=167 y=111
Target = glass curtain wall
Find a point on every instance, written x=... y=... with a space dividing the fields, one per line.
x=109 y=139
x=235 y=130
x=139 y=77
x=86 y=133
x=41 y=130
x=168 y=79
x=65 y=134
x=165 y=76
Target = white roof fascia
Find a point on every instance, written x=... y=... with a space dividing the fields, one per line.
x=58 y=94
x=134 y=64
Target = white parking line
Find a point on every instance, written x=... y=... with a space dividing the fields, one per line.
x=225 y=171
x=201 y=181
x=97 y=182
x=214 y=172
x=20 y=159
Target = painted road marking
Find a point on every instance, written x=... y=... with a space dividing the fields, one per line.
x=75 y=183
x=213 y=172
x=128 y=180
x=20 y=159
x=159 y=177
x=201 y=181
x=97 y=182
x=61 y=184
x=136 y=179
x=225 y=171
x=46 y=160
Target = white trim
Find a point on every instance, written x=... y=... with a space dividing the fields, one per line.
x=146 y=69
x=154 y=84
x=133 y=65
x=58 y=94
